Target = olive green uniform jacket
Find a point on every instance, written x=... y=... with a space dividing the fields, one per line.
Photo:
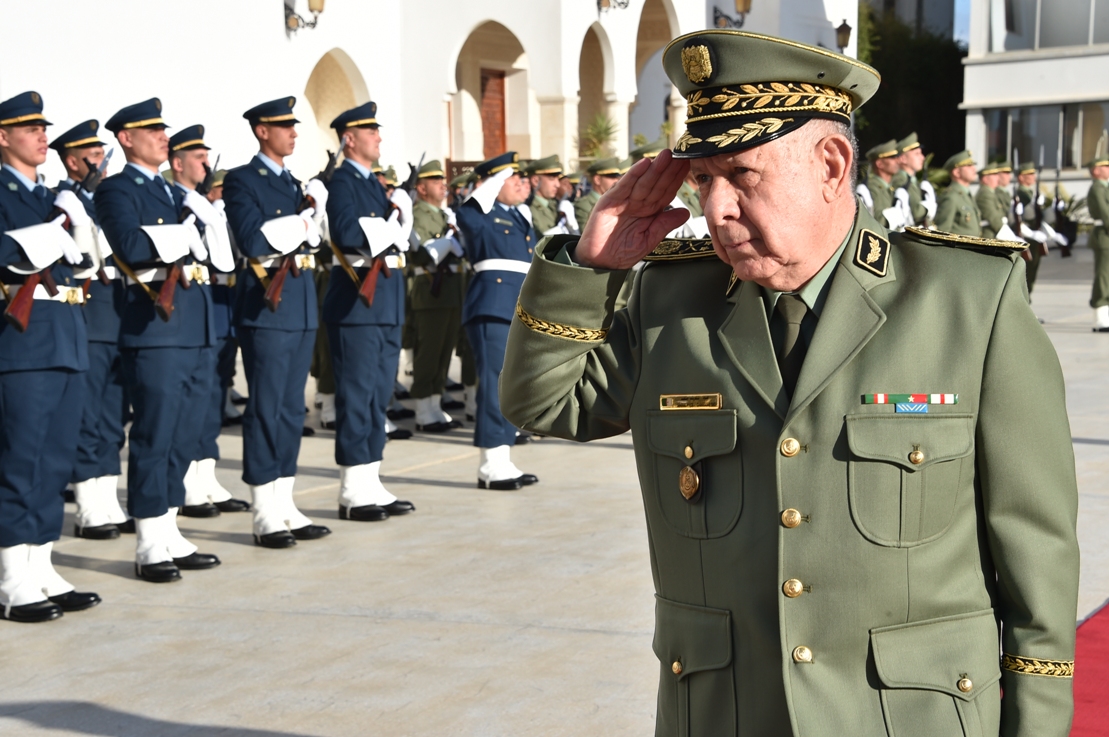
x=903 y=179
x=544 y=214
x=881 y=193
x=1097 y=200
x=583 y=208
x=902 y=539
x=993 y=217
x=957 y=212
x=430 y=222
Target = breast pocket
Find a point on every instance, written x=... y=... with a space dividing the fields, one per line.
x=905 y=474
x=698 y=470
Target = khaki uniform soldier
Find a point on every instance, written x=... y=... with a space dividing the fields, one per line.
x=957 y=212
x=602 y=175
x=1004 y=189
x=877 y=192
x=1029 y=205
x=920 y=194
x=1098 y=202
x=828 y=559
x=436 y=298
x=544 y=175
x=989 y=204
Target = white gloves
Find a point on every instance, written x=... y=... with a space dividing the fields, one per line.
x=403 y=201
x=1019 y=208
x=317 y=190
x=485 y=194
x=68 y=203
x=204 y=211
x=864 y=193
x=438 y=248
x=928 y=198
x=311 y=229
x=69 y=248
x=196 y=243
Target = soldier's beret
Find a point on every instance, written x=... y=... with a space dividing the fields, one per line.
x=145 y=114
x=963 y=158
x=23 y=109
x=489 y=167
x=604 y=167
x=744 y=89
x=188 y=139
x=274 y=112
x=82 y=135
x=431 y=170
x=363 y=116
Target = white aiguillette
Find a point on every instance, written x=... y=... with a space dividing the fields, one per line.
x=690 y=401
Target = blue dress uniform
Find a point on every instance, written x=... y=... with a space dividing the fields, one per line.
x=365 y=341
x=276 y=344
x=168 y=365
x=499 y=243
x=97 y=468
x=42 y=388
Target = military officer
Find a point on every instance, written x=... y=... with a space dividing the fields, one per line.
x=43 y=362
x=1029 y=206
x=1097 y=200
x=364 y=314
x=228 y=352
x=166 y=335
x=828 y=559
x=876 y=192
x=602 y=174
x=993 y=217
x=436 y=297
x=567 y=191
x=97 y=468
x=918 y=190
x=276 y=226
x=1004 y=189
x=188 y=160
x=499 y=243
x=957 y=211
x=544 y=175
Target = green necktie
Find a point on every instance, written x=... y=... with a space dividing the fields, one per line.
x=791 y=311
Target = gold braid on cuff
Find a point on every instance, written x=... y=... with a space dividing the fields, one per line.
x=1037 y=667
x=569 y=332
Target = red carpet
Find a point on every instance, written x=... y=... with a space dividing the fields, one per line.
x=1091 y=677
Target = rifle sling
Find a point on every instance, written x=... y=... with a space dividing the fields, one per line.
x=342 y=259
x=260 y=272
x=131 y=275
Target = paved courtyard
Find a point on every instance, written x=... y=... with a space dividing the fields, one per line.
x=484 y=613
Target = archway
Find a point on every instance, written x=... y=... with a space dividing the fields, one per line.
x=593 y=112
x=335 y=85
x=656 y=98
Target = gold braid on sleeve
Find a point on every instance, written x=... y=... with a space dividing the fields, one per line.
x=569 y=332
x=1038 y=667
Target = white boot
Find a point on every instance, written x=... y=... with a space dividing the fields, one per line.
x=152 y=540
x=440 y=413
x=230 y=411
x=18 y=586
x=327 y=410
x=293 y=515
x=389 y=426
x=269 y=514
x=426 y=411
x=94 y=509
x=208 y=483
x=110 y=499
x=1101 y=317
x=42 y=570
x=406 y=362
x=469 y=397
x=361 y=485
x=317 y=401
x=195 y=493
x=496 y=465
x=178 y=546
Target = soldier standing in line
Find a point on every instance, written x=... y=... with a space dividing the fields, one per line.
x=545 y=215
x=276 y=225
x=876 y=192
x=957 y=212
x=1098 y=202
x=97 y=468
x=920 y=194
x=225 y=291
x=993 y=216
x=602 y=174
x=43 y=362
x=1028 y=215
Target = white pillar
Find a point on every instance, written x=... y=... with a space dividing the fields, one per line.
x=618 y=112
x=558 y=117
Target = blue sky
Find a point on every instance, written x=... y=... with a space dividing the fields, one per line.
x=962 y=20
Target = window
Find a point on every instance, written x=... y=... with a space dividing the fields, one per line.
x=1063 y=136
x=1044 y=24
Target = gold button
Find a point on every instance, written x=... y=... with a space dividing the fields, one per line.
x=527 y=238
x=965 y=685
x=498 y=280
x=677 y=667
x=802 y=654
x=790 y=447
x=689 y=451
x=159 y=221
x=506 y=232
x=529 y=250
x=793 y=588
x=791 y=518
x=917 y=457
x=688 y=482
x=278 y=212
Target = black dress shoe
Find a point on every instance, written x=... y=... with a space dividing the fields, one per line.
x=230 y=421
x=307 y=432
x=452 y=404
x=399 y=434
x=311 y=532
x=233 y=505
x=453 y=386
x=70 y=498
x=436 y=427
x=238 y=401
x=100 y=532
x=1101 y=330
x=279 y=539
x=402 y=394
x=165 y=572
x=207 y=509
x=469 y=418
x=365 y=513
x=522 y=439
x=40 y=611
x=127 y=527
x=399 y=507
x=400 y=414
x=327 y=425
x=505 y=485
x=75 y=601
x=196 y=562
x=528 y=479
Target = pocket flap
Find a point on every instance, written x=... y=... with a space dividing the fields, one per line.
x=697 y=637
x=939 y=653
x=705 y=432
x=894 y=438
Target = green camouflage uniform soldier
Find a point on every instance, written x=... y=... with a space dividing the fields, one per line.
x=989 y=205
x=1097 y=200
x=957 y=211
x=544 y=175
x=828 y=558
x=602 y=175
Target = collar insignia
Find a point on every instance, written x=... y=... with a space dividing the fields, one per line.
x=872 y=252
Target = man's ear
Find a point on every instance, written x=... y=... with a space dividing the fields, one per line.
x=837 y=157
x=262 y=132
x=125 y=139
x=4 y=140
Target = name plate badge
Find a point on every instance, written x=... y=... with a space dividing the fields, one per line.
x=690 y=401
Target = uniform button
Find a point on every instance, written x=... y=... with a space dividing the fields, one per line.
x=793 y=588
x=677 y=667
x=965 y=685
x=529 y=250
x=498 y=280
x=791 y=518
x=278 y=212
x=506 y=232
x=689 y=451
x=527 y=238
x=917 y=457
x=790 y=447
x=373 y=214
x=802 y=654
x=159 y=221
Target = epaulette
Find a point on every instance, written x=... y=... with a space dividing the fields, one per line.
x=682 y=249
x=968 y=242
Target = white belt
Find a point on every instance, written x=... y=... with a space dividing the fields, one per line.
x=420 y=270
x=69 y=295
x=195 y=272
x=393 y=261
x=111 y=272
x=303 y=261
x=502 y=264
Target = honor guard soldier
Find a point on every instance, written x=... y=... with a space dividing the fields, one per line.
x=920 y=193
x=1097 y=200
x=188 y=160
x=166 y=335
x=994 y=217
x=436 y=295
x=829 y=558
x=276 y=226
x=957 y=211
x=1029 y=205
x=877 y=192
x=545 y=216
x=499 y=243
x=97 y=468
x=602 y=175
x=364 y=314
x=1004 y=189
x=43 y=363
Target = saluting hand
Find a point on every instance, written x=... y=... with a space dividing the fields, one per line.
x=631 y=218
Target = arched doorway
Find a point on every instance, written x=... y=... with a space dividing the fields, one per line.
x=335 y=85
x=597 y=128
x=495 y=109
x=656 y=100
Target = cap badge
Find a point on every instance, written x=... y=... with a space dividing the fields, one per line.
x=292 y=101
x=697 y=63
x=93 y=125
x=35 y=98
x=157 y=104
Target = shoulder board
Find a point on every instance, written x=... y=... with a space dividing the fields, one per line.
x=968 y=242
x=682 y=249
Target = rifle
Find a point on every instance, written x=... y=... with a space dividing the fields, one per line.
x=413 y=175
x=1063 y=224
x=205 y=185
x=175 y=274
x=18 y=311
x=276 y=286
x=329 y=170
